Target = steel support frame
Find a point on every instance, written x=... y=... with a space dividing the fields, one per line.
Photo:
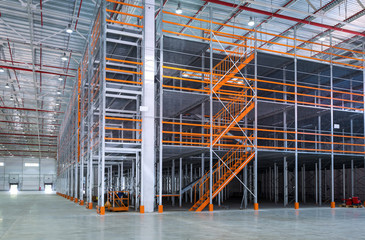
x=296 y=204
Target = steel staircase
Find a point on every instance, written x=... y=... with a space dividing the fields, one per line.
x=226 y=69
x=234 y=161
x=238 y=104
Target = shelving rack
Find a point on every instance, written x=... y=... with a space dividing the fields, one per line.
x=230 y=103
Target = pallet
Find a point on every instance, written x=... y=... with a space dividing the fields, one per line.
x=118 y=209
x=350 y=206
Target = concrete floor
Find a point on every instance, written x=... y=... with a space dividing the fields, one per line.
x=35 y=215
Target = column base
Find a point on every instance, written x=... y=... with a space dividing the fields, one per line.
x=333 y=204
x=100 y=210
x=76 y=200
x=160 y=208
x=89 y=205
x=141 y=209
x=71 y=198
x=210 y=207
x=81 y=202
x=255 y=206
x=296 y=205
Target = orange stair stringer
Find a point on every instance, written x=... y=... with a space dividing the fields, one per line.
x=239 y=118
x=226 y=181
x=233 y=73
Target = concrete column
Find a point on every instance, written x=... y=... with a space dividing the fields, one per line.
x=148 y=113
x=160 y=207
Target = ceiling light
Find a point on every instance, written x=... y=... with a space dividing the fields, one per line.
x=7 y=85
x=64 y=58
x=2 y=70
x=60 y=78
x=11 y=98
x=322 y=39
x=58 y=92
x=178 y=9
x=69 y=29
x=251 y=22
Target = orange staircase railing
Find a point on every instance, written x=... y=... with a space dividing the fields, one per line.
x=235 y=161
x=232 y=112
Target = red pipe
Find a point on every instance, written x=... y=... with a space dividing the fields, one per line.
x=12 y=62
x=30 y=123
x=30 y=135
x=40 y=4
x=358 y=13
x=48 y=66
x=195 y=15
x=64 y=82
x=40 y=62
x=16 y=150
x=78 y=14
x=26 y=144
x=15 y=155
x=2 y=100
x=164 y=3
x=37 y=71
x=30 y=109
x=265 y=20
x=114 y=8
x=285 y=17
x=323 y=8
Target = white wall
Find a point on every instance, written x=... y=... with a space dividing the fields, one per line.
x=27 y=177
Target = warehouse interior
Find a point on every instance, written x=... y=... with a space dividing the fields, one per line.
x=211 y=111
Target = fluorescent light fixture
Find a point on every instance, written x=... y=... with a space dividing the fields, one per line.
x=69 y=29
x=11 y=98
x=64 y=57
x=60 y=78
x=322 y=39
x=1 y=164
x=179 y=9
x=336 y=126
x=58 y=92
x=28 y=164
x=7 y=85
x=185 y=75
x=251 y=22
x=1 y=70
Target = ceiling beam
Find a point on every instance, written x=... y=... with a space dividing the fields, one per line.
x=321 y=25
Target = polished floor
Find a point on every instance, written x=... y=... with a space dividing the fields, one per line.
x=32 y=215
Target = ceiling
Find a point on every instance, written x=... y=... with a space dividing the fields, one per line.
x=36 y=84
